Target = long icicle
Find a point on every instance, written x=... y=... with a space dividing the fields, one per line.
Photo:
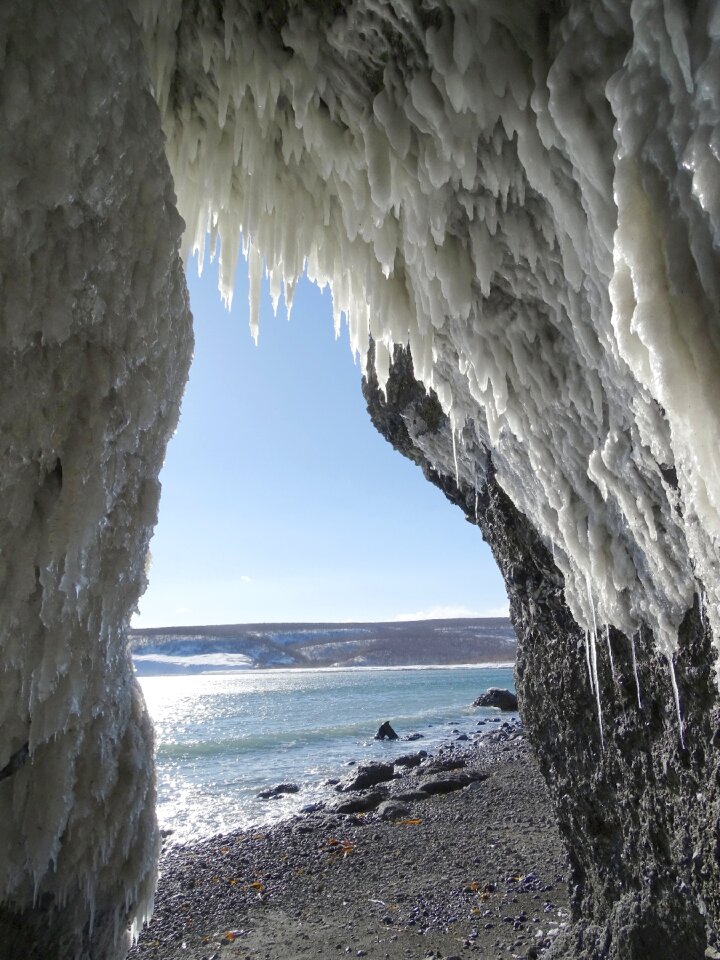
x=609 y=646
x=676 y=693
x=635 y=671
x=593 y=647
x=587 y=658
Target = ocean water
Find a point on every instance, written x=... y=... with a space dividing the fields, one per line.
x=221 y=738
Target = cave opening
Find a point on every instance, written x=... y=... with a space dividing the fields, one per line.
x=281 y=502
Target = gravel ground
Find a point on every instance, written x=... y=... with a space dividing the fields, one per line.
x=479 y=871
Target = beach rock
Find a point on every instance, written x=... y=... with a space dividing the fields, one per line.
x=440 y=766
x=370 y=774
x=413 y=736
x=386 y=732
x=411 y=759
x=496 y=697
x=392 y=810
x=278 y=791
x=410 y=796
x=444 y=784
x=360 y=804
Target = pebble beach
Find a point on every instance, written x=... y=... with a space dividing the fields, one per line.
x=454 y=854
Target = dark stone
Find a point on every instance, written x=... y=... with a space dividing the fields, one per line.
x=411 y=759
x=440 y=766
x=277 y=791
x=495 y=697
x=443 y=785
x=370 y=774
x=362 y=803
x=386 y=732
x=392 y=810
x=638 y=816
x=449 y=784
x=410 y=796
x=414 y=736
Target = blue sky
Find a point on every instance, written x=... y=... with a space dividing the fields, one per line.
x=280 y=500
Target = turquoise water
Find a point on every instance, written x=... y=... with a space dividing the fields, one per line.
x=222 y=738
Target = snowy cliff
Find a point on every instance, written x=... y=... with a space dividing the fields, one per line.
x=525 y=193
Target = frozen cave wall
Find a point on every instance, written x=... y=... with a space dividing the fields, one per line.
x=638 y=812
x=95 y=340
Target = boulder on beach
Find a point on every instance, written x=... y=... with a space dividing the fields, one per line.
x=386 y=732
x=496 y=697
x=392 y=810
x=369 y=774
x=362 y=803
x=411 y=759
x=414 y=736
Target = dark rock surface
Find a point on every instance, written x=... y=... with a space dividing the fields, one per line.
x=495 y=697
x=386 y=732
x=410 y=759
x=368 y=775
x=278 y=791
x=638 y=808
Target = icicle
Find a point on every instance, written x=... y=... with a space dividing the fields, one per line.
x=476 y=504
x=676 y=694
x=454 y=449
x=587 y=658
x=609 y=646
x=635 y=671
x=593 y=660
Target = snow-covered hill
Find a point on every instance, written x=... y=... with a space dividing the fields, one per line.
x=213 y=649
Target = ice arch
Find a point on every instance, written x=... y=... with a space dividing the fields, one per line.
x=525 y=193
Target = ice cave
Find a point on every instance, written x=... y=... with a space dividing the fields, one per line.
x=516 y=204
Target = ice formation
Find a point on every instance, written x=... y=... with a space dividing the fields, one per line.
x=526 y=195
x=95 y=342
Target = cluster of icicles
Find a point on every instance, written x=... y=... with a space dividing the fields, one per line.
x=475 y=185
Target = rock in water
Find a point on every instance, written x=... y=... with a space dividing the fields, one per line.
x=386 y=732
x=497 y=697
x=278 y=791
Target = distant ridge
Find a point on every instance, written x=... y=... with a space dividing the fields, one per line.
x=226 y=647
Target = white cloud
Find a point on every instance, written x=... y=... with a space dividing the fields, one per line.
x=451 y=613
x=245 y=578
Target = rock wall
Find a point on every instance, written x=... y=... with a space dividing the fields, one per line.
x=639 y=811
x=95 y=342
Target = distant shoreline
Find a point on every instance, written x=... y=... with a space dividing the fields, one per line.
x=228 y=648
x=242 y=671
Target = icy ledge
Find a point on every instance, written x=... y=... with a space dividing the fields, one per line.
x=526 y=196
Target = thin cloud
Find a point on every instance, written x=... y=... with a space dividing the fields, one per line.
x=245 y=578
